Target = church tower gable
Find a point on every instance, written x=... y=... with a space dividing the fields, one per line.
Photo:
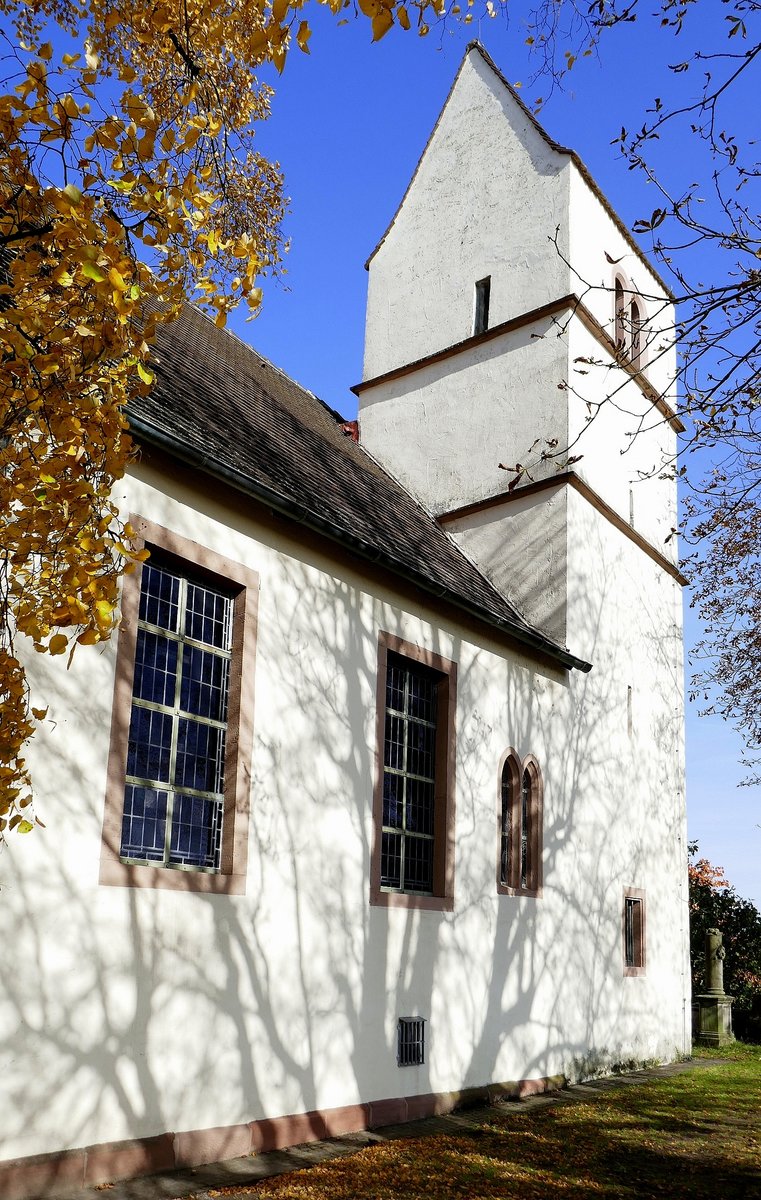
x=487 y=191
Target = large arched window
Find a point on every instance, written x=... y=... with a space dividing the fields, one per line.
x=520 y=826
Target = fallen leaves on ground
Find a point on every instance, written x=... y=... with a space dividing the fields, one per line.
x=695 y=1136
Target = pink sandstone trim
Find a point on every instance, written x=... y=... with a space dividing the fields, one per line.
x=53 y=1174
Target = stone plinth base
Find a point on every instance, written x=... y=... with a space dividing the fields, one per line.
x=712 y=1023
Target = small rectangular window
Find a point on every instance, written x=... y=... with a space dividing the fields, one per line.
x=410 y=1051
x=634 y=932
x=481 y=319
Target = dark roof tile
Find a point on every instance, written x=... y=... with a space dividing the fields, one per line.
x=219 y=404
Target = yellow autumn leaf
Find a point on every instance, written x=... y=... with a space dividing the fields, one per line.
x=303 y=36
x=117 y=280
x=58 y=644
x=91 y=271
x=104 y=611
x=381 y=24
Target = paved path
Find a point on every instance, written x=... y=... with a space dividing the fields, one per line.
x=194 y=1182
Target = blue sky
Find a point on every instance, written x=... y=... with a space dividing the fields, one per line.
x=348 y=125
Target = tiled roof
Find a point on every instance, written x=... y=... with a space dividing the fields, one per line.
x=221 y=407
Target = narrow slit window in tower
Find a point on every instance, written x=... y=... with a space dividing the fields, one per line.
x=481 y=319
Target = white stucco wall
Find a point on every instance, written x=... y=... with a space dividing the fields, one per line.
x=627 y=446
x=625 y=614
x=593 y=234
x=128 y=1012
x=487 y=195
x=444 y=429
x=522 y=547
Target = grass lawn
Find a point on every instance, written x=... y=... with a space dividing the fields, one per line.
x=696 y=1136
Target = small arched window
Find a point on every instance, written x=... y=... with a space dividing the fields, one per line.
x=635 y=353
x=520 y=826
x=629 y=322
x=620 y=335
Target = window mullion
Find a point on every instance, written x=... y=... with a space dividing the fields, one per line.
x=405 y=780
x=181 y=603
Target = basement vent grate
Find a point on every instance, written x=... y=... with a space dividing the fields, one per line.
x=411 y=1041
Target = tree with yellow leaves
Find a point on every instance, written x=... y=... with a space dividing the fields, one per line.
x=129 y=183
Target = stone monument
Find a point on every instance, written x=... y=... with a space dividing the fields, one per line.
x=713 y=1026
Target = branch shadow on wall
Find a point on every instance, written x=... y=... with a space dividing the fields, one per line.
x=130 y=1013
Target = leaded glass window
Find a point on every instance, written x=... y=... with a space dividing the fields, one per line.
x=174 y=791
x=409 y=777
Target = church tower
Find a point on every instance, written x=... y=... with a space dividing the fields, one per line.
x=519 y=358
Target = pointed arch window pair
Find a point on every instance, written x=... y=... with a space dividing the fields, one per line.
x=520 y=826
x=629 y=324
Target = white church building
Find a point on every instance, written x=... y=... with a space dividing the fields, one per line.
x=375 y=804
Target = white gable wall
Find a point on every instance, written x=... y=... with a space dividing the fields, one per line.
x=131 y=1012
x=488 y=193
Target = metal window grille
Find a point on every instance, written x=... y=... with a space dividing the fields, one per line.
x=174 y=793
x=411 y=1041
x=633 y=931
x=481 y=318
x=409 y=783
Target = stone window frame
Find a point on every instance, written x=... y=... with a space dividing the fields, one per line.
x=639 y=932
x=243 y=584
x=516 y=767
x=442 y=899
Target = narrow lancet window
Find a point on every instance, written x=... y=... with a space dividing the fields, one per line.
x=505 y=849
x=525 y=798
x=636 y=334
x=481 y=319
x=620 y=334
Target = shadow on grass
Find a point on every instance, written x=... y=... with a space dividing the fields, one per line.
x=695 y=1136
